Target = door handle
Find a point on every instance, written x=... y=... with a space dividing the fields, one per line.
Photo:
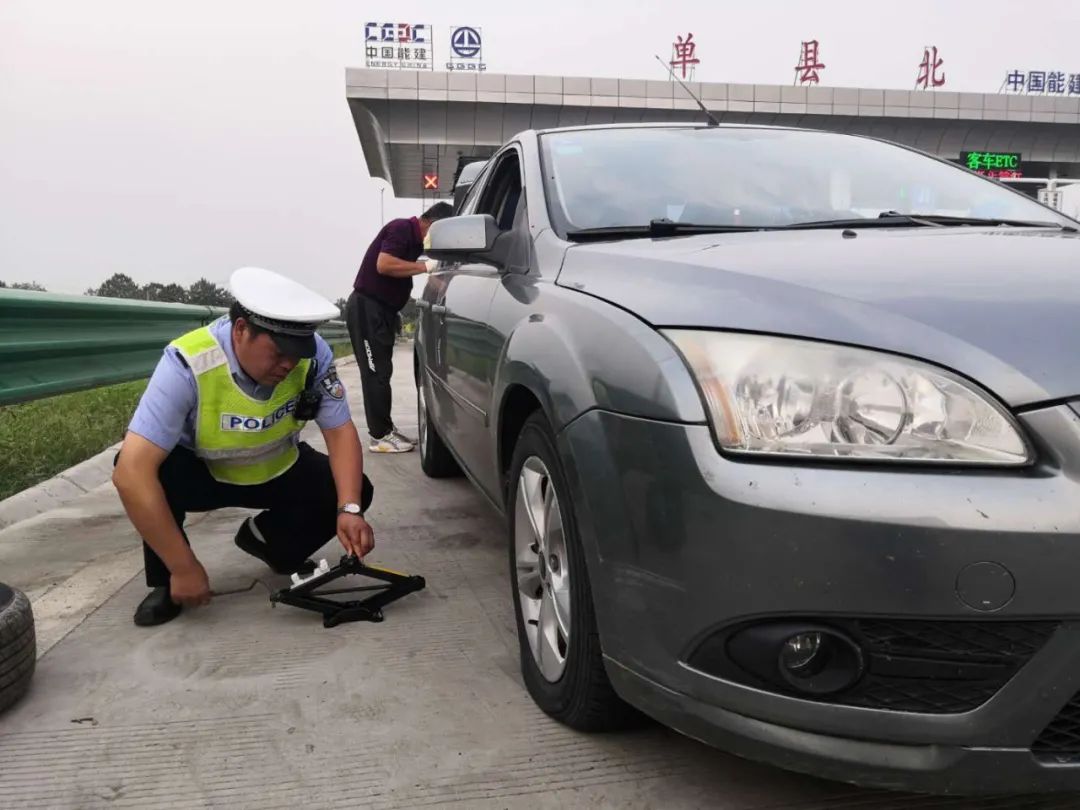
x=438 y=309
x=421 y=304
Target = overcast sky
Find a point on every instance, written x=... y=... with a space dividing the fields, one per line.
x=176 y=141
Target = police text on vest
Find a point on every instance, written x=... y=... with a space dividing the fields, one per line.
x=254 y=424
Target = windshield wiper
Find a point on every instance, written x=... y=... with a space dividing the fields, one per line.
x=659 y=228
x=893 y=219
x=945 y=219
x=656 y=229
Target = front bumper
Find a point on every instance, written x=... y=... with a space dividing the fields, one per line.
x=928 y=768
x=683 y=542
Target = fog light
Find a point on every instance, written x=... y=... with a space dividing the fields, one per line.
x=802 y=654
x=808 y=658
x=819 y=662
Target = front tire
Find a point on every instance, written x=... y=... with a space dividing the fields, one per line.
x=561 y=659
x=436 y=459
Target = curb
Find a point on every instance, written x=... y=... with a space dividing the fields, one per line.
x=68 y=485
x=58 y=490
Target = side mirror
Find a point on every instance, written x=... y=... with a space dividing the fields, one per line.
x=455 y=238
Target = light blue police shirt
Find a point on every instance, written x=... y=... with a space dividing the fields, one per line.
x=166 y=413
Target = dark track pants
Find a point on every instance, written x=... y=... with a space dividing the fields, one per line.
x=372 y=329
x=299 y=507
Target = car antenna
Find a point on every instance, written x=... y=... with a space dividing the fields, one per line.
x=671 y=72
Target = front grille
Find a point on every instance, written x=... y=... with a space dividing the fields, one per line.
x=940 y=667
x=937 y=696
x=1060 y=741
x=996 y=641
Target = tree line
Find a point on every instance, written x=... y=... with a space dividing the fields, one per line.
x=121 y=285
x=202 y=292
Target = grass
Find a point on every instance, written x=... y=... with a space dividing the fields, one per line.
x=42 y=438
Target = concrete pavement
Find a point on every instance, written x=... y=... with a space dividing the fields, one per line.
x=243 y=705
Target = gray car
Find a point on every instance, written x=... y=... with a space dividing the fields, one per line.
x=784 y=425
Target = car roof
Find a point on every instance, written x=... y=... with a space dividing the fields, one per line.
x=536 y=133
x=666 y=125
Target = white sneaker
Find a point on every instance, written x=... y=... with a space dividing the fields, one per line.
x=403 y=437
x=391 y=443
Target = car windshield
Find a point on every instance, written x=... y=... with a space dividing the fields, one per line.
x=611 y=178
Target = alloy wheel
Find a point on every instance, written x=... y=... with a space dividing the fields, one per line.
x=542 y=567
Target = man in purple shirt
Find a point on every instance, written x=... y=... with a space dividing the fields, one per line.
x=382 y=288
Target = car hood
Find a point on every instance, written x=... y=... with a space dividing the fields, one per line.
x=999 y=305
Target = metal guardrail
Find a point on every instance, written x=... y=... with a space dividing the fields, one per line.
x=55 y=344
x=334 y=332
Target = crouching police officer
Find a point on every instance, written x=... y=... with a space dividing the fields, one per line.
x=218 y=426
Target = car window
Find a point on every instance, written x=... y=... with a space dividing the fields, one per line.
x=502 y=192
x=471 y=195
x=756 y=177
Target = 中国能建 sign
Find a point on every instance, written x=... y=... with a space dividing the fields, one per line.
x=1043 y=82
x=410 y=46
x=401 y=46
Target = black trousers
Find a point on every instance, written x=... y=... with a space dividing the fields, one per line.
x=300 y=506
x=372 y=329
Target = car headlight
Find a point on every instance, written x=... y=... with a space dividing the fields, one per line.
x=787 y=397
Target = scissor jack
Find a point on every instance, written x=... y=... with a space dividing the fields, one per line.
x=303 y=594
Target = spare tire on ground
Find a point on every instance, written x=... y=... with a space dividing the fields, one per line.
x=18 y=645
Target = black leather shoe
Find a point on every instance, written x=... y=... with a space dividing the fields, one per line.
x=247 y=542
x=157 y=608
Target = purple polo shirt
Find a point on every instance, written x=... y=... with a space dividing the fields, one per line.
x=400 y=238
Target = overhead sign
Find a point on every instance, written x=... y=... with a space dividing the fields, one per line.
x=412 y=46
x=400 y=46
x=810 y=64
x=928 y=69
x=431 y=182
x=1048 y=82
x=684 y=55
x=466 y=49
x=1004 y=165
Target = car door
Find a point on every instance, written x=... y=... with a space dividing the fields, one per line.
x=431 y=330
x=464 y=348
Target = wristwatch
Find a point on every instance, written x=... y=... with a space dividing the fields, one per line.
x=351 y=509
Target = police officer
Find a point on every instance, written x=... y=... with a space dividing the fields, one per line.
x=218 y=426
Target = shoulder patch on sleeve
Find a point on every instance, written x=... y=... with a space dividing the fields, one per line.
x=331 y=384
x=174 y=353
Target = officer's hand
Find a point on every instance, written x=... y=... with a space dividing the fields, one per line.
x=355 y=534
x=190 y=586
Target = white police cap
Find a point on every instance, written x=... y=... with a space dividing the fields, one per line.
x=285 y=308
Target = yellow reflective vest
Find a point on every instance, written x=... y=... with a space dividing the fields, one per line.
x=241 y=439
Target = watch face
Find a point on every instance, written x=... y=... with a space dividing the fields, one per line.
x=351 y=508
